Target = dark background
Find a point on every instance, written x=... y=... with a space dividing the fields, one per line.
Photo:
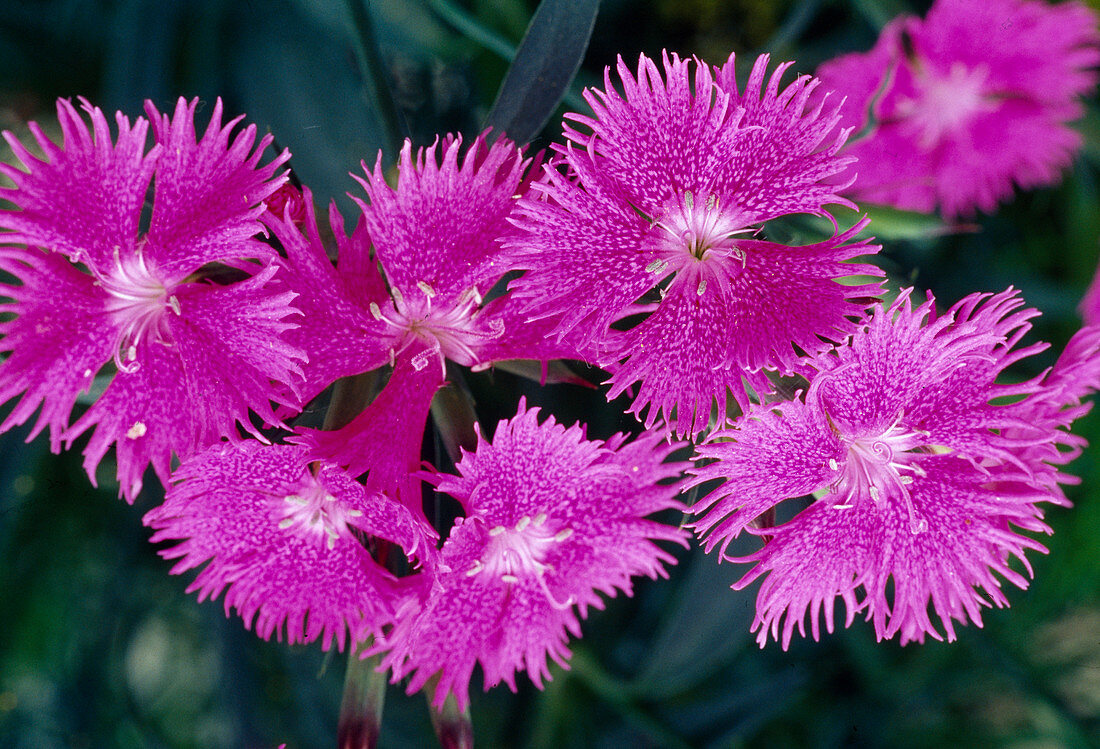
x=100 y=647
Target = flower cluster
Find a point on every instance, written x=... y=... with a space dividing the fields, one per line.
x=644 y=245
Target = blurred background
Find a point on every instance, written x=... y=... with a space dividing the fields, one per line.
x=100 y=647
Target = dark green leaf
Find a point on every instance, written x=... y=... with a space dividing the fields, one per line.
x=545 y=64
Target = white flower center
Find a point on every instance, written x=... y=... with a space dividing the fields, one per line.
x=943 y=104
x=701 y=232
x=881 y=467
x=314 y=514
x=137 y=300
x=513 y=554
x=451 y=332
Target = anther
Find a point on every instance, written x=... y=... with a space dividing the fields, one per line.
x=563 y=534
x=523 y=523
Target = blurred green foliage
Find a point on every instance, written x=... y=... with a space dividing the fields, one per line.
x=100 y=647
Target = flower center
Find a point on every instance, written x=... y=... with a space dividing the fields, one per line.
x=881 y=467
x=943 y=104
x=451 y=331
x=519 y=553
x=137 y=300
x=694 y=231
x=315 y=514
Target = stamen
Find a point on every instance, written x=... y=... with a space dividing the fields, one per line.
x=313 y=513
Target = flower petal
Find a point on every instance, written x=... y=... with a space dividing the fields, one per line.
x=85 y=198
x=209 y=191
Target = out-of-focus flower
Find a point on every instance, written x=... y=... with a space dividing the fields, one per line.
x=552 y=520
x=285 y=541
x=922 y=469
x=966 y=103
x=653 y=211
x=192 y=358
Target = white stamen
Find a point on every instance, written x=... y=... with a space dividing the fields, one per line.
x=137 y=430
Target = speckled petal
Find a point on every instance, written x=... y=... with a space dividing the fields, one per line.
x=215 y=366
x=209 y=191
x=59 y=339
x=85 y=198
x=773 y=452
x=335 y=329
x=441 y=225
x=553 y=520
x=787 y=149
x=283 y=543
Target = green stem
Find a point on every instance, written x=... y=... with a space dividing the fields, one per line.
x=364 y=687
x=452 y=726
x=361 y=707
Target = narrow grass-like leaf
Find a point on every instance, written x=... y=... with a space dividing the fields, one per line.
x=545 y=64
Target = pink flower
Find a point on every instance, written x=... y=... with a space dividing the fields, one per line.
x=967 y=102
x=923 y=468
x=652 y=213
x=552 y=520
x=192 y=358
x=283 y=540
x=435 y=237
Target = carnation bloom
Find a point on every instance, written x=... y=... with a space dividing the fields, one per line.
x=552 y=519
x=923 y=468
x=284 y=540
x=663 y=191
x=967 y=102
x=435 y=237
x=191 y=358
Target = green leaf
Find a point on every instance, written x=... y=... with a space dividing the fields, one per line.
x=544 y=66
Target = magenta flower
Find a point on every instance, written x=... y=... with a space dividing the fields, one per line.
x=662 y=188
x=436 y=239
x=967 y=102
x=923 y=468
x=552 y=520
x=283 y=540
x=191 y=358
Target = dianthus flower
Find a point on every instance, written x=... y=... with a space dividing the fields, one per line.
x=961 y=105
x=923 y=468
x=191 y=358
x=435 y=237
x=663 y=188
x=552 y=520
x=285 y=541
